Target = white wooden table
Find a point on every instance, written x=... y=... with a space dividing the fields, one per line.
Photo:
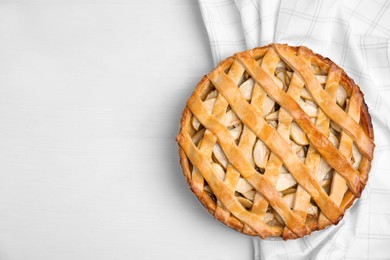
x=91 y=94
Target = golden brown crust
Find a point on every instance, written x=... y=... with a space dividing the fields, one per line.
x=237 y=217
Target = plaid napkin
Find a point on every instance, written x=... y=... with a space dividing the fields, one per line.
x=355 y=35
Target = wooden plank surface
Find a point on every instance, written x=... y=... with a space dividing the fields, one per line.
x=91 y=94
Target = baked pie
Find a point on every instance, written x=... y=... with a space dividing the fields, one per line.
x=276 y=141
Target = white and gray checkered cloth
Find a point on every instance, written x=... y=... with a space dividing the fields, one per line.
x=355 y=35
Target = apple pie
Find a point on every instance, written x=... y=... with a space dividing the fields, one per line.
x=276 y=141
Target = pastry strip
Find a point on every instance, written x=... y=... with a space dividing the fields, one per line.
x=232 y=120
x=209 y=140
x=201 y=162
x=268 y=63
x=274 y=164
x=325 y=102
x=247 y=140
x=238 y=160
x=339 y=187
x=302 y=198
x=317 y=139
x=276 y=143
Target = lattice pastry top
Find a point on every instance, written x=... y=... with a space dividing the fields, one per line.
x=276 y=141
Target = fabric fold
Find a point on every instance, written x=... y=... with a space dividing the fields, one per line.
x=355 y=35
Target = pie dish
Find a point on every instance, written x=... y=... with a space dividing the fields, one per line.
x=276 y=141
